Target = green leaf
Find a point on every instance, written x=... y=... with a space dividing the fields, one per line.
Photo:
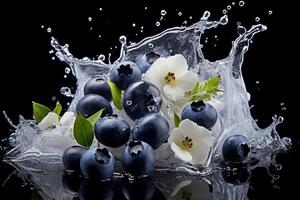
x=205 y=90
x=35 y=195
x=177 y=120
x=39 y=111
x=83 y=131
x=95 y=117
x=116 y=94
x=58 y=108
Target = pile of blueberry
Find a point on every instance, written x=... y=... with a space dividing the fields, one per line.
x=142 y=102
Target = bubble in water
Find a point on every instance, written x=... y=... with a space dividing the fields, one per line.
x=228 y=7
x=150 y=45
x=101 y=57
x=241 y=3
x=142 y=27
x=257 y=19
x=146 y=7
x=163 y=12
x=224 y=20
x=53 y=58
x=216 y=36
x=123 y=39
x=270 y=12
x=67 y=70
x=49 y=30
x=90 y=19
x=157 y=24
x=282 y=104
x=100 y=9
x=133 y=24
x=99 y=36
x=190 y=17
x=241 y=30
x=283 y=108
x=53 y=98
x=224 y=11
x=179 y=14
x=129 y=103
x=151 y=108
x=184 y=22
x=42 y=26
x=66 y=91
x=233 y=3
x=51 y=52
x=91 y=28
x=65 y=76
x=257 y=82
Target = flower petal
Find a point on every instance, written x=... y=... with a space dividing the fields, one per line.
x=177 y=64
x=187 y=80
x=199 y=153
x=173 y=92
x=48 y=121
x=181 y=153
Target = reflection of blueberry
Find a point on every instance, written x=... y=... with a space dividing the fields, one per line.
x=71 y=157
x=141 y=98
x=201 y=113
x=92 y=103
x=235 y=148
x=146 y=60
x=112 y=131
x=139 y=189
x=236 y=174
x=138 y=158
x=97 y=163
x=97 y=86
x=152 y=129
x=125 y=73
x=96 y=190
x=71 y=182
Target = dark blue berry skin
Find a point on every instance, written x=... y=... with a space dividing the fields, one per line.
x=125 y=73
x=71 y=182
x=97 y=163
x=92 y=103
x=71 y=157
x=97 y=86
x=152 y=129
x=140 y=99
x=96 y=190
x=112 y=131
x=145 y=61
x=235 y=148
x=236 y=174
x=138 y=158
x=201 y=113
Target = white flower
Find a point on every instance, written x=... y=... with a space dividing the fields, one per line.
x=190 y=142
x=172 y=77
x=66 y=122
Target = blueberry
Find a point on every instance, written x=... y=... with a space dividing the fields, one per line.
x=140 y=99
x=92 y=103
x=146 y=60
x=138 y=158
x=235 y=148
x=71 y=157
x=96 y=190
x=236 y=174
x=152 y=129
x=97 y=163
x=201 y=113
x=112 y=131
x=71 y=182
x=97 y=86
x=125 y=73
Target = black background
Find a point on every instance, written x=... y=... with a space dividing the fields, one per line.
x=28 y=72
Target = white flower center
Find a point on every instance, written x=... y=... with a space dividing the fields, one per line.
x=170 y=78
x=187 y=143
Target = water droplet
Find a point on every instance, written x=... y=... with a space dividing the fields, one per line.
x=100 y=9
x=142 y=27
x=282 y=104
x=53 y=58
x=49 y=30
x=270 y=12
x=124 y=129
x=257 y=82
x=228 y=7
x=53 y=98
x=91 y=28
x=157 y=24
x=101 y=57
x=233 y=3
x=224 y=11
x=241 y=3
x=206 y=15
x=150 y=45
x=90 y=19
x=179 y=14
x=129 y=103
x=133 y=24
x=241 y=30
x=280 y=119
x=65 y=76
x=67 y=70
x=224 y=20
x=216 y=36
x=146 y=7
x=283 y=108
x=51 y=52
x=190 y=17
x=42 y=26
x=66 y=91
x=99 y=36
x=68 y=103
x=163 y=12
x=123 y=39
x=184 y=22
x=257 y=19
x=151 y=108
